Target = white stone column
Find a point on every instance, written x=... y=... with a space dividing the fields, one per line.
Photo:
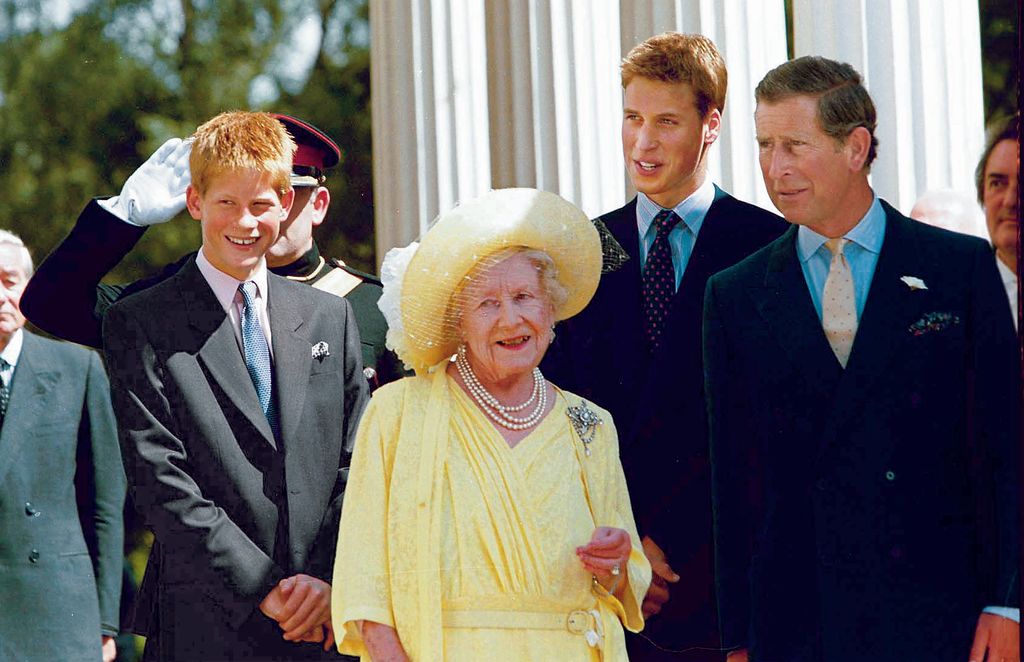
x=921 y=61
x=430 y=119
x=554 y=99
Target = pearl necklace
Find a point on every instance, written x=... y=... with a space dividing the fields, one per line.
x=498 y=412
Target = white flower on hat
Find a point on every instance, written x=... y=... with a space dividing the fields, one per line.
x=392 y=272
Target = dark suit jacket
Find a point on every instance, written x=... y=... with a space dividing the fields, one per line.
x=233 y=509
x=855 y=509
x=656 y=401
x=65 y=296
x=61 y=496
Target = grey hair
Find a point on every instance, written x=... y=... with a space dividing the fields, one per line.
x=554 y=291
x=551 y=288
x=10 y=239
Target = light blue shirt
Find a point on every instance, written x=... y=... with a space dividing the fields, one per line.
x=861 y=251
x=683 y=236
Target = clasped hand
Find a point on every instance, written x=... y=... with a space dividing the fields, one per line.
x=301 y=605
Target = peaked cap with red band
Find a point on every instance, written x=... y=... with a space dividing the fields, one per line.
x=315 y=151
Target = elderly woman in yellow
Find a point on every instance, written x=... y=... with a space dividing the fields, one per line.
x=486 y=514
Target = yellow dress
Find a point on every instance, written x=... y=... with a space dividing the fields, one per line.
x=467 y=546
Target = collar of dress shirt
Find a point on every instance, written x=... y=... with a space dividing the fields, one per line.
x=692 y=210
x=13 y=349
x=868 y=234
x=225 y=287
x=1009 y=278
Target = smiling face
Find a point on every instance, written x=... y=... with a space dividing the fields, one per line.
x=664 y=139
x=12 y=283
x=506 y=321
x=296 y=235
x=811 y=178
x=241 y=215
x=999 y=198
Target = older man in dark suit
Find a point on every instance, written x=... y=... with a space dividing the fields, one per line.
x=636 y=347
x=863 y=394
x=61 y=489
x=237 y=393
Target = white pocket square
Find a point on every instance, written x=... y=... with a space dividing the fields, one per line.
x=321 y=351
x=914 y=283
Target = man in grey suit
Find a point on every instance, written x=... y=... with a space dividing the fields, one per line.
x=237 y=393
x=61 y=489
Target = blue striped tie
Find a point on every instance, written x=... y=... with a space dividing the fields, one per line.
x=257 y=353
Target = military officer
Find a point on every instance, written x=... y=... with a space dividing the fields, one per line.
x=66 y=298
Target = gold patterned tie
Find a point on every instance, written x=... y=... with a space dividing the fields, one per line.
x=838 y=306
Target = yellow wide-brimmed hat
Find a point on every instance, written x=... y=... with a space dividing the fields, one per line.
x=467 y=235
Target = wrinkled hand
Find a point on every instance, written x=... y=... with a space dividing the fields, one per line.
x=155 y=193
x=608 y=547
x=737 y=656
x=997 y=635
x=301 y=605
x=661 y=576
x=109 y=649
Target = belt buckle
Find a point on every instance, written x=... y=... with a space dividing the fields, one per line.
x=578 y=621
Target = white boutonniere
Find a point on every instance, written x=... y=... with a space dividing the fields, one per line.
x=914 y=283
x=321 y=351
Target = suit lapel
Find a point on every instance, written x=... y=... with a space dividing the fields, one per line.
x=292 y=357
x=218 y=347
x=34 y=377
x=622 y=297
x=891 y=307
x=785 y=304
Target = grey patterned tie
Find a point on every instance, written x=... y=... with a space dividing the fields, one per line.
x=257 y=353
x=5 y=389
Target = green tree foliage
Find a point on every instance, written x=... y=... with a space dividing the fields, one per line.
x=1000 y=56
x=84 y=101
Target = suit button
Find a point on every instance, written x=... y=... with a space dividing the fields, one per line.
x=30 y=510
x=821 y=484
x=33 y=556
x=890 y=475
x=896 y=552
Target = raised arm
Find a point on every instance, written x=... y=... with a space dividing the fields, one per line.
x=65 y=297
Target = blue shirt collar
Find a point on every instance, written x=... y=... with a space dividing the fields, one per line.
x=692 y=210
x=868 y=234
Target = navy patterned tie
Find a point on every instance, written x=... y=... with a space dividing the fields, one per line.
x=659 y=279
x=257 y=353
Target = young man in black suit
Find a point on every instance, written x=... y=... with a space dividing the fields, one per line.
x=636 y=348
x=61 y=489
x=237 y=393
x=863 y=395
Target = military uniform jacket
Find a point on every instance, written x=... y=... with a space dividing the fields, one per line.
x=61 y=499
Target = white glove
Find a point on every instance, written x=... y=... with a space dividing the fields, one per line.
x=155 y=193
